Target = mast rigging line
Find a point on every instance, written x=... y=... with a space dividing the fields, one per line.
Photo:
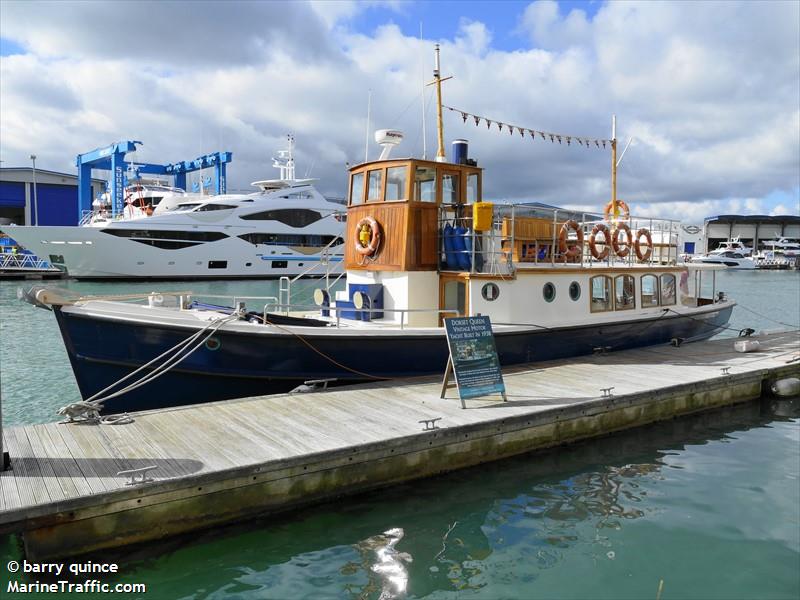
x=561 y=137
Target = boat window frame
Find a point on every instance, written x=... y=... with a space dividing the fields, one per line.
x=381 y=185
x=545 y=287
x=633 y=295
x=405 y=190
x=609 y=289
x=415 y=197
x=661 y=290
x=656 y=294
x=353 y=176
x=458 y=176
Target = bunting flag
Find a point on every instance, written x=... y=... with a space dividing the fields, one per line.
x=583 y=141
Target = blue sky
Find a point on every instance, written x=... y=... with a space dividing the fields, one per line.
x=501 y=17
x=710 y=91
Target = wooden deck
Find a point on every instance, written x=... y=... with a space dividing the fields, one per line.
x=225 y=461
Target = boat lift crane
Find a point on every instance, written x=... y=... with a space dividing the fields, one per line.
x=112 y=158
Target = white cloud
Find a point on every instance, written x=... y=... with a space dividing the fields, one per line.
x=714 y=110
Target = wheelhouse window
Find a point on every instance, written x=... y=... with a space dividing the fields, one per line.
x=625 y=294
x=667 y=289
x=601 y=293
x=425 y=184
x=357 y=189
x=649 y=295
x=450 y=191
x=374 y=188
x=472 y=188
x=396 y=179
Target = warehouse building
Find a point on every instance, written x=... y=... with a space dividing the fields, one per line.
x=24 y=191
x=753 y=230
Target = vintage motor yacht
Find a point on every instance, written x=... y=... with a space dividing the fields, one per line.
x=286 y=228
x=422 y=244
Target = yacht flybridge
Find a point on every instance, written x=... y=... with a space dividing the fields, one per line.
x=286 y=228
x=422 y=244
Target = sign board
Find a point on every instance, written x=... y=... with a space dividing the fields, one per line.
x=473 y=358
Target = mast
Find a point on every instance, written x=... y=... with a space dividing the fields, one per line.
x=437 y=79
x=614 y=204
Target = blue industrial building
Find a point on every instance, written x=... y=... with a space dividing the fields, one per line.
x=42 y=197
x=56 y=196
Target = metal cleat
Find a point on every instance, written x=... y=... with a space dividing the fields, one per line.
x=137 y=476
x=430 y=424
x=607 y=392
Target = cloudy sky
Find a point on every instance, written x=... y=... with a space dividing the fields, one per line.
x=709 y=91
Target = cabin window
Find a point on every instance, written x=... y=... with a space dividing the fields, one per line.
x=374 y=188
x=293 y=217
x=425 y=184
x=667 y=290
x=357 y=189
x=574 y=290
x=601 y=293
x=450 y=191
x=549 y=292
x=208 y=207
x=649 y=291
x=472 y=188
x=396 y=183
x=625 y=294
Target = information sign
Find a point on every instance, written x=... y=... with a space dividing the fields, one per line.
x=473 y=358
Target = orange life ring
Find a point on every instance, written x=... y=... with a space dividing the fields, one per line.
x=621 y=249
x=368 y=236
x=608 y=211
x=573 y=251
x=637 y=244
x=600 y=227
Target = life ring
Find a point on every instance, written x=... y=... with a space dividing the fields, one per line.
x=621 y=249
x=637 y=244
x=368 y=236
x=569 y=252
x=600 y=227
x=608 y=211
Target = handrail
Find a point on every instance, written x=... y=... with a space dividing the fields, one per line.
x=339 y=309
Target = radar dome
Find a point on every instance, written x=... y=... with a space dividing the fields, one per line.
x=388 y=138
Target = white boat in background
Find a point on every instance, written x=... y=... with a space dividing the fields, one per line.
x=732 y=259
x=287 y=228
x=782 y=245
x=734 y=244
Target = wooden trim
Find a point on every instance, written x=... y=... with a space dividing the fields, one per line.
x=444 y=279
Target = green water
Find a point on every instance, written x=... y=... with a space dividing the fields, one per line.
x=709 y=505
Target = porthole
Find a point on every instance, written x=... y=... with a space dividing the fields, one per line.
x=574 y=290
x=549 y=292
x=490 y=292
x=213 y=343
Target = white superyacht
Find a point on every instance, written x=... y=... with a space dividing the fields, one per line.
x=286 y=228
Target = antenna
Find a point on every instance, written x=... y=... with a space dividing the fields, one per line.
x=422 y=66
x=284 y=162
x=366 y=136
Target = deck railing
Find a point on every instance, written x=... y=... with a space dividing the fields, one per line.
x=523 y=236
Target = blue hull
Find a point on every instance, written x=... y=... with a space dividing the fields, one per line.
x=103 y=351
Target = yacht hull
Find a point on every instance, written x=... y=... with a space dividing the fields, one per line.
x=89 y=253
x=269 y=360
